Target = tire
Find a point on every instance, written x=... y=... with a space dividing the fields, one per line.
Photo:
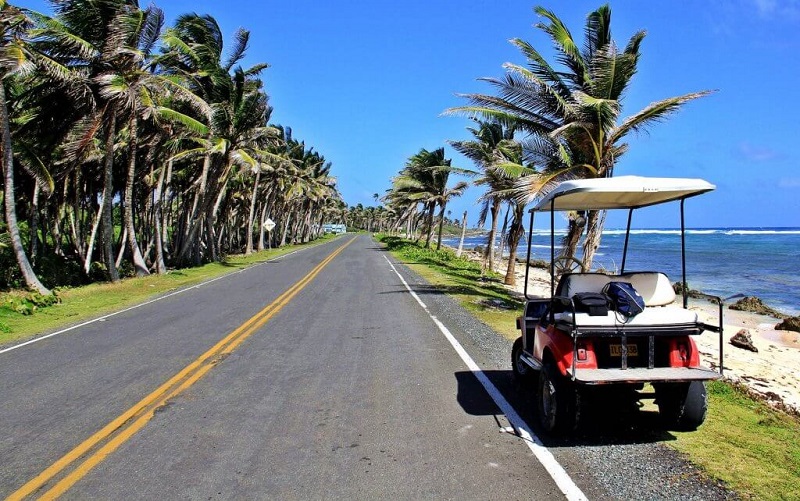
x=522 y=372
x=557 y=401
x=682 y=406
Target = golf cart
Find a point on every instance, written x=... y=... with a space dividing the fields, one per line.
x=584 y=345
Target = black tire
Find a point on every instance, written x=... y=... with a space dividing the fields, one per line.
x=682 y=406
x=557 y=401
x=522 y=372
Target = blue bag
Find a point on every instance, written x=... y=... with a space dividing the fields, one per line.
x=624 y=298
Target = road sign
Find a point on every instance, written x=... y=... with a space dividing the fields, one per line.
x=269 y=224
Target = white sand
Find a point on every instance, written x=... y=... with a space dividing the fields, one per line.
x=773 y=372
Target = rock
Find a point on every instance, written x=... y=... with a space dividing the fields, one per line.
x=480 y=249
x=755 y=305
x=678 y=288
x=742 y=339
x=789 y=324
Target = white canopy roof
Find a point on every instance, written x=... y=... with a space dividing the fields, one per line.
x=623 y=192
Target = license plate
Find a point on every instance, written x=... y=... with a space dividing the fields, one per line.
x=616 y=350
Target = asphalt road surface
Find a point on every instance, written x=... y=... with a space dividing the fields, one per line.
x=315 y=376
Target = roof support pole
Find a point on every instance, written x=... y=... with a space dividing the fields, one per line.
x=627 y=234
x=683 y=258
x=528 y=260
x=552 y=247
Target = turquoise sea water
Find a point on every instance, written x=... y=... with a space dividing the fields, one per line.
x=762 y=262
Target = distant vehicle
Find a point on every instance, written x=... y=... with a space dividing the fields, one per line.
x=334 y=228
x=580 y=347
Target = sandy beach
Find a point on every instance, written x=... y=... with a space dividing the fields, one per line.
x=773 y=372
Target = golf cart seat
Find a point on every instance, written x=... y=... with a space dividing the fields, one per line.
x=655 y=289
x=653 y=286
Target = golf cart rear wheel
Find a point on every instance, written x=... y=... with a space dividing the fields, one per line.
x=682 y=405
x=522 y=372
x=557 y=401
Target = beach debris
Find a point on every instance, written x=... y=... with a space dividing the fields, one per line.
x=756 y=305
x=744 y=340
x=789 y=324
x=496 y=303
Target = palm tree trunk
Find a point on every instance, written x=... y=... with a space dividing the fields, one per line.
x=594 y=231
x=262 y=219
x=133 y=245
x=573 y=237
x=31 y=280
x=503 y=232
x=107 y=221
x=32 y=224
x=251 y=217
x=488 y=254
x=441 y=226
x=429 y=225
x=463 y=234
x=514 y=236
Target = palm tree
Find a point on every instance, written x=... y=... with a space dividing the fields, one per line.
x=424 y=179
x=235 y=122
x=572 y=114
x=14 y=60
x=483 y=150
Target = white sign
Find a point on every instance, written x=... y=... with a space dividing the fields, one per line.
x=269 y=225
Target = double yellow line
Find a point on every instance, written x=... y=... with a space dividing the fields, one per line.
x=100 y=445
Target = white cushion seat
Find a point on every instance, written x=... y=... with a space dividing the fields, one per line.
x=664 y=316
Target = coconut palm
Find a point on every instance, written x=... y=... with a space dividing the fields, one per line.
x=14 y=60
x=572 y=114
x=483 y=150
x=424 y=179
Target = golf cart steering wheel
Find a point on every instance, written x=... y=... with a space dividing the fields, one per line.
x=568 y=264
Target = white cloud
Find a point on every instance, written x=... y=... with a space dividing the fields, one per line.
x=783 y=9
x=756 y=153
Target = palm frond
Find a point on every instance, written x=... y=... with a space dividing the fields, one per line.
x=654 y=112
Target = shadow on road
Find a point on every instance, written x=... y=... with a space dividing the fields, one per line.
x=600 y=424
x=438 y=290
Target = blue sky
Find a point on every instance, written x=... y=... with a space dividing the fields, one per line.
x=365 y=83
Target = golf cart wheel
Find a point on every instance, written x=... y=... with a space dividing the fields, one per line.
x=682 y=405
x=522 y=372
x=557 y=401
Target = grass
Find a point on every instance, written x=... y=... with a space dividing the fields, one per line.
x=480 y=293
x=20 y=320
x=750 y=446
x=753 y=448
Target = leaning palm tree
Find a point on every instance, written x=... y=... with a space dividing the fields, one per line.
x=572 y=114
x=14 y=60
x=483 y=151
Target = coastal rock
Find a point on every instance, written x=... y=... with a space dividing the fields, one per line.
x=678 y=288
x=742 y=339
x=755 y=305
x=789 y=324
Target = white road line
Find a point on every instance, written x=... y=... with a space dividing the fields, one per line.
x=105 y=317
x=545 y=457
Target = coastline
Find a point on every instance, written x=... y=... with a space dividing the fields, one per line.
x=772 y=373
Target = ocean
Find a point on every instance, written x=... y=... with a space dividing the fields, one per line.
x=762 y=262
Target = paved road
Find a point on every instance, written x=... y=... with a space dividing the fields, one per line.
x=349 y=391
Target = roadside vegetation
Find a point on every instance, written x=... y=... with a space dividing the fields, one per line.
x=745 y=443
x=130 y=148
x=23 y=314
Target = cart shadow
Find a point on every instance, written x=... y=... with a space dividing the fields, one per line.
x=602 y=425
